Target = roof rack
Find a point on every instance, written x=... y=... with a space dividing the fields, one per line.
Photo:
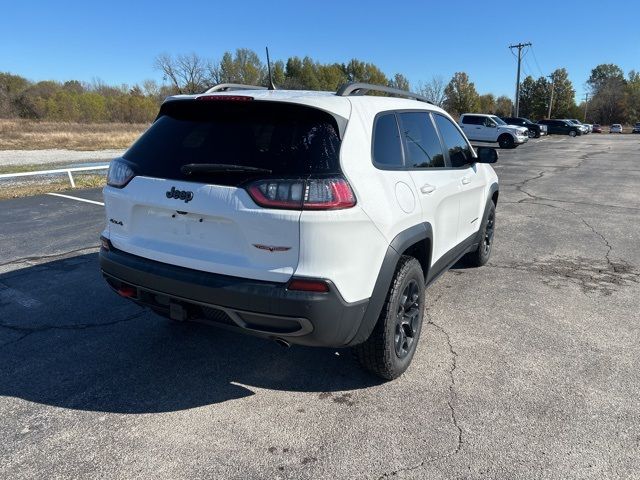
x=223 y=87
x=357 y=88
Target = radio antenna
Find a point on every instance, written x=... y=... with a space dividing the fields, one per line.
x=271 y=86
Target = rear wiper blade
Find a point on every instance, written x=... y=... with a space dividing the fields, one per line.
x=194 y=168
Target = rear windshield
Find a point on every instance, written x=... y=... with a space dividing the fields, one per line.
x=289 y=140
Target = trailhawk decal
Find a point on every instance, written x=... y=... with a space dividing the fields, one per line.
x=271 y=248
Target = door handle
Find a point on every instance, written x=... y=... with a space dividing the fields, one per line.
x=426 y=188
x=466 y=180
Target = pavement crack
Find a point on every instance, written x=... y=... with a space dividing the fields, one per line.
x=450 y=404
x=26 y=331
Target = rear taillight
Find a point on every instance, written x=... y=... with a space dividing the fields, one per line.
x=119 y=174
x=311 y=194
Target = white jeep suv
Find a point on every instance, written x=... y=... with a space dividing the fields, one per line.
x=489 y=128
x=313 y=218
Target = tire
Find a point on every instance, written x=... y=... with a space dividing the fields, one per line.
x=389 y=349
x=532 y=134
x=506 y=141
x=572 y=133
x=482 y=254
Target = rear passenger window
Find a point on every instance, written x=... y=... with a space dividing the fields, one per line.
x=472 y=120
x=459 y=149
x=423 y=145
x=387 y=150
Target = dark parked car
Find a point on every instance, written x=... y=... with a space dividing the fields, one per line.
x=560 y=127
x=535 y=130
x=597 y=128
x=636 y=128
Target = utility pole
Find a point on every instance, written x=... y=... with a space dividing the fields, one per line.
x=553 y=84
x=519 y=46
x=586 y=104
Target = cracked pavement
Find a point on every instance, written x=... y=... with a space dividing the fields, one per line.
x=527 y=368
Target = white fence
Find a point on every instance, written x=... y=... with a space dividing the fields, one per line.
x=68 y=171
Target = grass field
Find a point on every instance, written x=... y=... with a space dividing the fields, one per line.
x=32 y=135
x=59 y=184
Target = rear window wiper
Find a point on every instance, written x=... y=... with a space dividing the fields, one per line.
x=195 y=168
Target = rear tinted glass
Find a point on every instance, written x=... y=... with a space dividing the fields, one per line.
x=387 y=149
x=289 y=140
x=423 y=145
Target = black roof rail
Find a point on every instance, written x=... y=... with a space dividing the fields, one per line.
x=223 y=87
x=357 y=88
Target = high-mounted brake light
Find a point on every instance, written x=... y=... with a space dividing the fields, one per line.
x=225 y=98
x=332 y=193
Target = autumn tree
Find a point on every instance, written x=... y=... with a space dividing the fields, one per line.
x=461 y=95
x=433 y=90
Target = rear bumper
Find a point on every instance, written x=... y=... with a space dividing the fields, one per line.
x=261 y=308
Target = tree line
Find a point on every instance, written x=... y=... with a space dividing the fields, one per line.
x=614 y=97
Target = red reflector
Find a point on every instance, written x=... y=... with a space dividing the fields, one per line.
x=226 y=98
x=318 y=286
x=127 y=291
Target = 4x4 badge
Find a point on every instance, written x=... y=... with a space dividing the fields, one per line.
x=185 y=195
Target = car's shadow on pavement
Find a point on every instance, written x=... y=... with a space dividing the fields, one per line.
x=67 y=340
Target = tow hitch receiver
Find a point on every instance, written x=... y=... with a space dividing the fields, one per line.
x=178 y=312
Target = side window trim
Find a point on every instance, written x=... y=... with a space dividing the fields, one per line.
x=381 y=166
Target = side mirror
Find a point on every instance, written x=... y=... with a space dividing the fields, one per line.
x=487 y=155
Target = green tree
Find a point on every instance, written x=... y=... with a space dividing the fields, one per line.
x=564 y=104
x=602 y=75
x=461 y=95
x=632 y=101
x=399 y=81
x=487 y=103
x=504 y=106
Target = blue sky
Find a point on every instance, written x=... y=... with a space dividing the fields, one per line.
x=117 y=41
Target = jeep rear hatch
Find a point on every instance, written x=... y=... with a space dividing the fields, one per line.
x=219 y=186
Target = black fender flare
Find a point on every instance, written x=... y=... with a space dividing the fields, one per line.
x=399 y=244
x=493 y=189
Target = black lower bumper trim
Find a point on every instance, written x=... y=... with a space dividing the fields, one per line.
x=257 y=307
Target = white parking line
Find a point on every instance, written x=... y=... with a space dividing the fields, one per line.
x=76 y=198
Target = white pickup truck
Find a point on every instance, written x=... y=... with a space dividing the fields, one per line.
x=489 y=128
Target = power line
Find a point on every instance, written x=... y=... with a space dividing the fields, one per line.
x=536 y=60
x=519 y=46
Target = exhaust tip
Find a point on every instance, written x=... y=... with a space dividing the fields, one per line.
x=282 y=342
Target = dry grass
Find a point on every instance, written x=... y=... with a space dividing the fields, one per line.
x=31 y=135
x=31 y=188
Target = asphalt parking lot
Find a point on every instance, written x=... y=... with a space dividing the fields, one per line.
x=528 y=368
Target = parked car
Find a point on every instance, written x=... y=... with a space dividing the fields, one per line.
x=615 y=128
x=597 y=128
x=581 y=126
x=560 y=127
x=304 y=217
x=489 y=128
x=535 y=130
x=636 y=128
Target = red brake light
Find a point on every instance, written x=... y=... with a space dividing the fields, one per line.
x=127 y=291
x=304 y=285
x=312 y=194
x=226 y=98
